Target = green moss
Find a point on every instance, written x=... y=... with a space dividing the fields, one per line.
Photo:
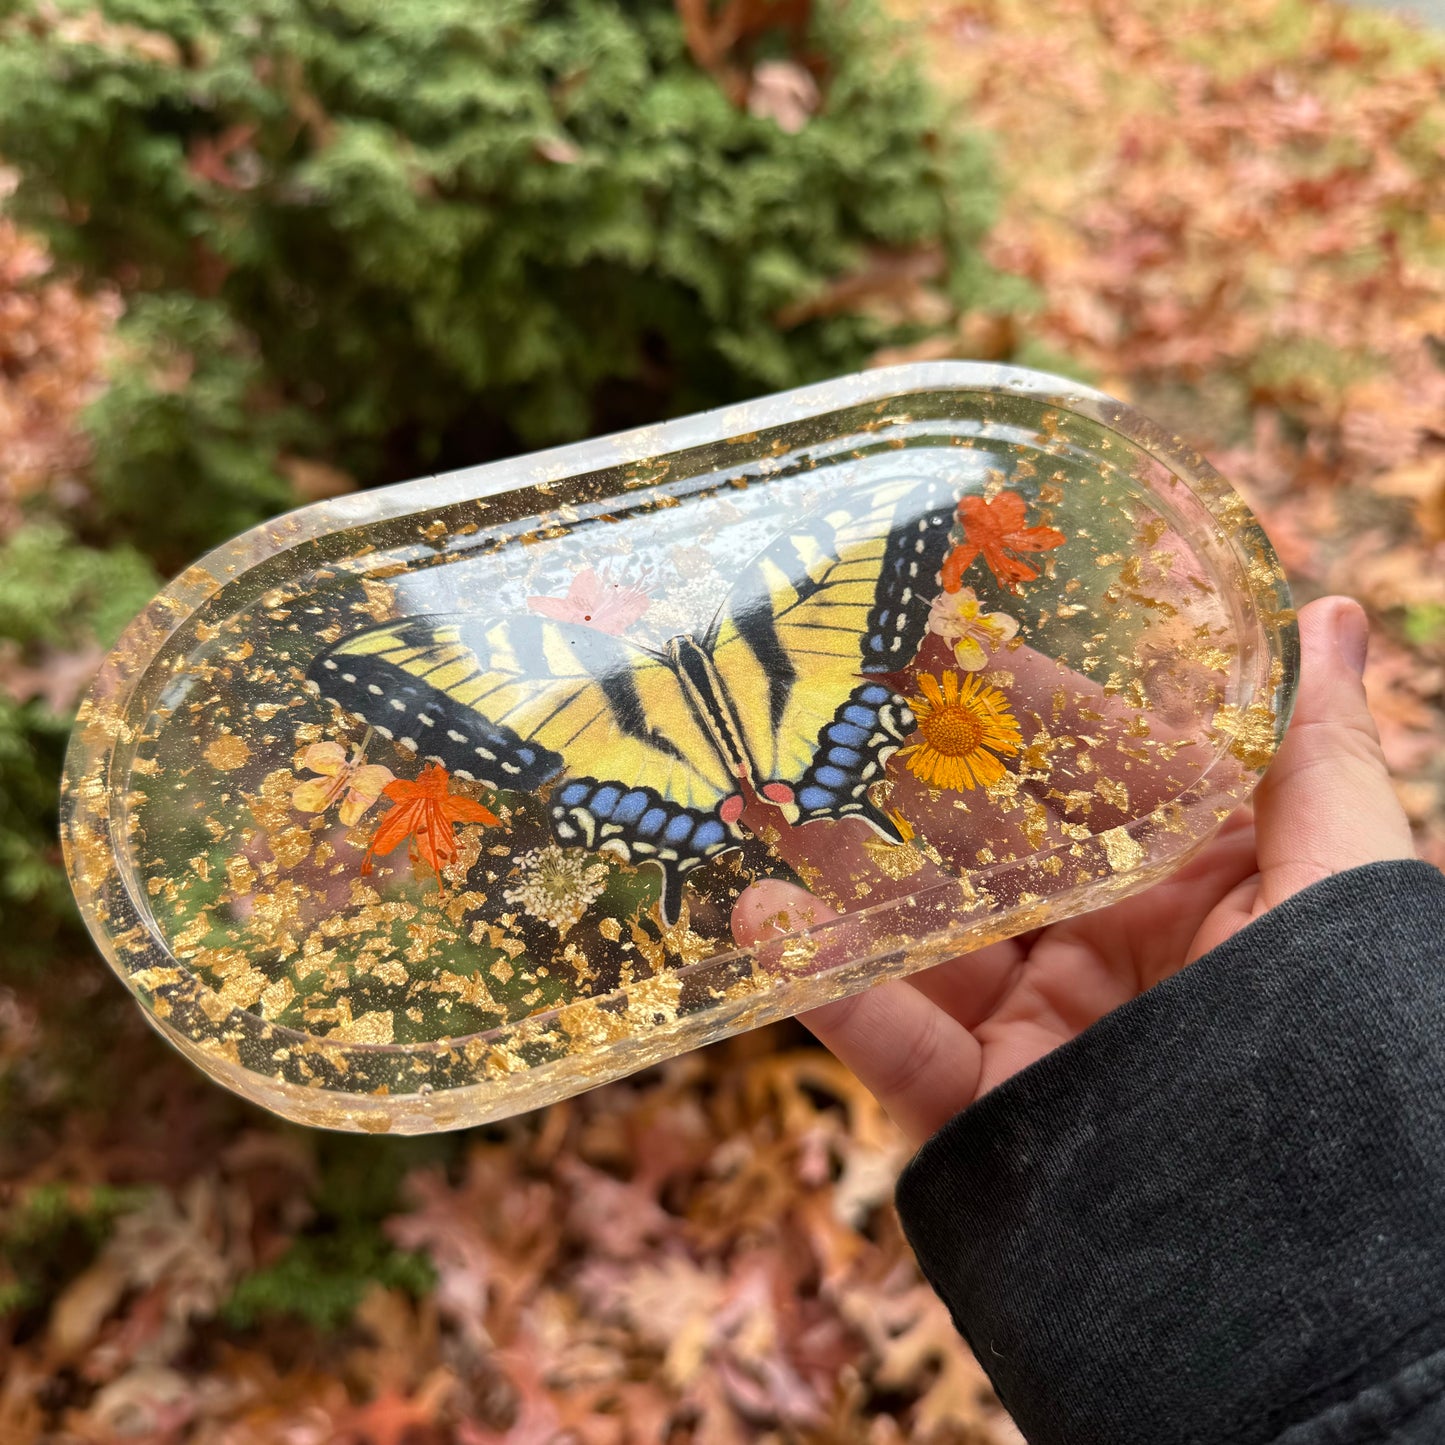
x=322 y=1277
x=49 y=1234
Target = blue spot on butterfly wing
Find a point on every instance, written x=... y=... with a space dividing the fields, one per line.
x=631 y=808
x=836 y=782
x=643 y=826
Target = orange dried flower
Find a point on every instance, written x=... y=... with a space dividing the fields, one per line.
x=426 y=811
x=996 y=530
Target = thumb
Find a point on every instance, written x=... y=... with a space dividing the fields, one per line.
x=1326 y=804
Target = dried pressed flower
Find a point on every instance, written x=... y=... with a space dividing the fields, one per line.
x=557 y=885
x=427 y=812
x=356 y=783
x=962 y=725
x=995 y=529
x=595 y=601
x=959 y=618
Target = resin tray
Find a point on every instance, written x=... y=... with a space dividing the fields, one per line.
x=417 y=808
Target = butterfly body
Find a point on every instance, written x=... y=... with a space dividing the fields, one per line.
x=649 y=749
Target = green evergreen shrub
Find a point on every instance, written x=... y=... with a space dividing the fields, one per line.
x=404 y=234
x=57 y=598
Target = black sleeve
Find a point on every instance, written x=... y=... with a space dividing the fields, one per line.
x=1219 y=1213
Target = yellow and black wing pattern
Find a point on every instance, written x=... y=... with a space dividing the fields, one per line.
x=811 y=632
x=513 y=702
x=789 y=686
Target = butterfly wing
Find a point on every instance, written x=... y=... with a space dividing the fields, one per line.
x=517 y=701
x=807 y=636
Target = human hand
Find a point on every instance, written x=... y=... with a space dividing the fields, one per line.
x=928 y=1045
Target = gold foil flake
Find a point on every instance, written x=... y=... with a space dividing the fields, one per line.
x=592 y=1027
x=656 y=997
x=1077 y=800
x=1217 y=659
x=423 y=936
x=814 y=879
x=610 y=929
x=368 y=1028
x=1036 y=822
x=470 y=989
x=380 y=604
x=188 y=939
x=1169 y=817
x=893 y=860
x=1122 y=850
x=291 y=846
x=243 y=989
x=389 y=970
x=798 y=954
x=276 y=912
x=498 y=938
x=1250 y=732
x=686 y=945
x=228 y=752
x=1003 y=793
x=156 y=978
x=1114 y=792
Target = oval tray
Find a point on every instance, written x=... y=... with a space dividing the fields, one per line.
x=417 y=808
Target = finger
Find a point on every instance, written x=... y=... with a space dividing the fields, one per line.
x=1326 y=804
x=920 y=1064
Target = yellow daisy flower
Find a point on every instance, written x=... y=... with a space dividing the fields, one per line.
x=962 y=724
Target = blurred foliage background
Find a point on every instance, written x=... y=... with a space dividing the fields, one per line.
x=250 y=259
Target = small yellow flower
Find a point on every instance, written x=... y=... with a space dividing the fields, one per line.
x=962 y=724
x=356 y=784
x=959 y=618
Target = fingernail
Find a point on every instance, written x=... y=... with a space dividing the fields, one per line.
x=1352 y=635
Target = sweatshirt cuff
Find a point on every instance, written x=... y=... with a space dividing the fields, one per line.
x=1220 y=1211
